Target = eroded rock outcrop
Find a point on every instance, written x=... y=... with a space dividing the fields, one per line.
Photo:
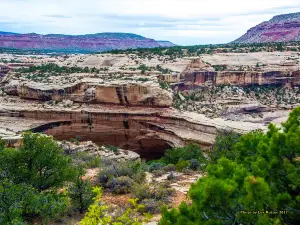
x=117 y=92
x=243 y=78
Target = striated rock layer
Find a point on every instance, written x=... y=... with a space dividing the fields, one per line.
x=125 y=93
x=281 y=28
x=243 y=78
x=75 y=43
x=138 y=129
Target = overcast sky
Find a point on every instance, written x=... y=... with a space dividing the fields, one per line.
x=183 y=22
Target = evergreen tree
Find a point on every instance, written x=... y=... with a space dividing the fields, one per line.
x=81 y=192
x=29 y=180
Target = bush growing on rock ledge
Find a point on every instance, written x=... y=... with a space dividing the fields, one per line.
x=164 y=85
x=112 y=148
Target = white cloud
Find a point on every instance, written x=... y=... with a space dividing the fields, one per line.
x=181 y=21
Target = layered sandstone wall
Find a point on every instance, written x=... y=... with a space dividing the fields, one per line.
x=122 y=94
x=243 y=78
x=140 y=128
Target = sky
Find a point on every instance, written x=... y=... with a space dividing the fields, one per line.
x=183 y=22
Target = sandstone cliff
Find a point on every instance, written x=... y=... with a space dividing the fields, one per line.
x=243 y=78
x=91 y=91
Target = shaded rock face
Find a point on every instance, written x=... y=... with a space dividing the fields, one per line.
x=148 y=140
x=140 y=131
x=127 y=94
x=243 y=78
x=79 y=43
x=281 y=28
x=134 y=137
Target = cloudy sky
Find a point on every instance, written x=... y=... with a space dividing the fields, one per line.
x=183 y=22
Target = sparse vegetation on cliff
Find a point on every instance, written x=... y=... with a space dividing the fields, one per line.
x=210 y=100
x=197 y=50
x=54 y=68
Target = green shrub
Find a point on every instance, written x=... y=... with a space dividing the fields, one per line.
x=112 y=148
x=106 y=174
x=30 y=179
x=189 y=152
x=163 y=85
x=86 y=160
x=94 y=163
x=159 y=192
x=152 y=206
x=111 y=171
x=182 y=165
x=80 y=192
x=223 y=146
x=194 y=164
x=170 y=168
x=141 y=191
x=139 y=177
x=121 y=185
x=156 y=166
x=142 y=79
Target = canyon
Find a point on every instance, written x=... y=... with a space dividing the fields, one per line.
x=131 y=101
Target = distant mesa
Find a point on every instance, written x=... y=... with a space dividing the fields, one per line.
x=281 y=28
x=165 y=44
x=78 y=43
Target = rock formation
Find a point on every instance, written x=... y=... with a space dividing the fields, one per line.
x=139 y=115
x=281 y=28
x=242 y=69
x=77 y=43
x=244 y=78
x=90 y=91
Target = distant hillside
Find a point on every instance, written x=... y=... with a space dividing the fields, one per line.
x=77 y=43
x=165 y=43
x=281 y=28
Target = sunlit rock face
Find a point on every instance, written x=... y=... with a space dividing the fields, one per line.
x=243 y=78
x=281 y=28
x=121 y=94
